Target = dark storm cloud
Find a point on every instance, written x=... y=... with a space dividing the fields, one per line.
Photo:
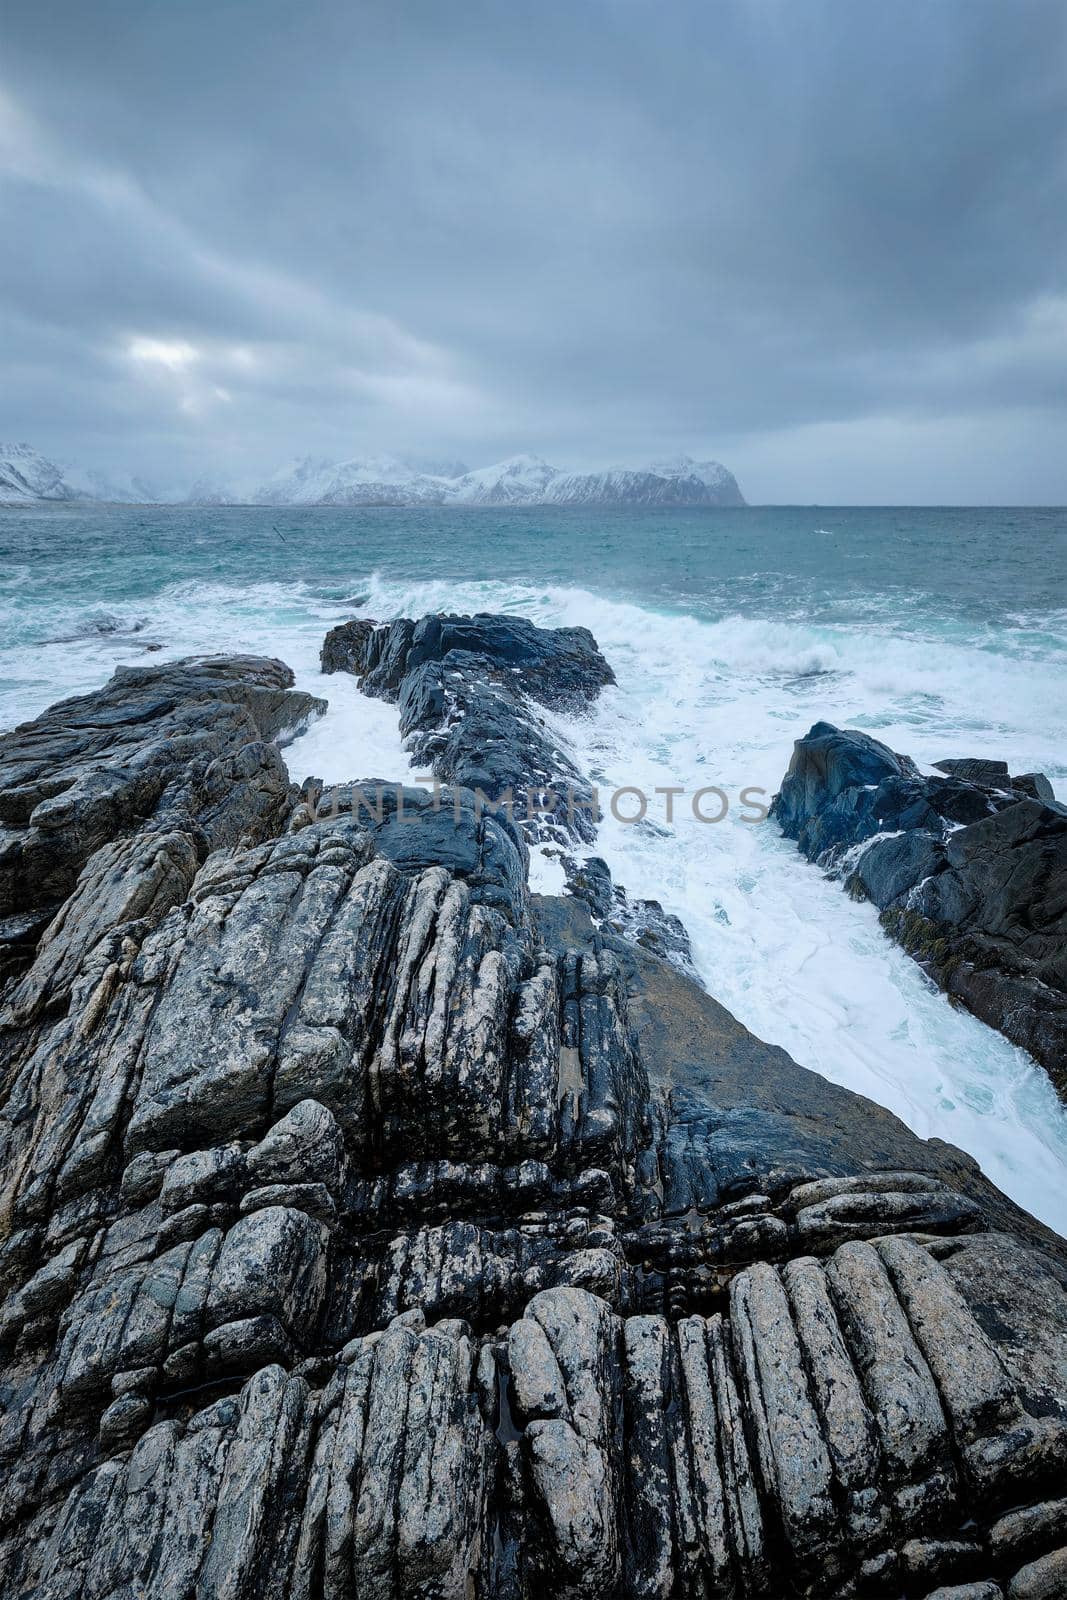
x=825 y=241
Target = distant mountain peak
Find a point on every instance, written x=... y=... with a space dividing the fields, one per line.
x=29 y=478
x=26 y=476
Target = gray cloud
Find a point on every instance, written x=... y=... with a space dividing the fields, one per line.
x=823 y=241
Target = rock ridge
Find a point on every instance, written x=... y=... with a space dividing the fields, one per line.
x=470 y=692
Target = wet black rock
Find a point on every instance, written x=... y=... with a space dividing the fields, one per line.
x=968 y=870
x=468 y=690
x=560 y=666
x=643 y=922
x=373 y=1227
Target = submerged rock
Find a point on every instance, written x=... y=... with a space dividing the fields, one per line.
x=969 y=872
x=373 y=1227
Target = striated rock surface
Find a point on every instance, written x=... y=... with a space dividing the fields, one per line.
x=109 y=801
x=373 y=1228
x=968 y=870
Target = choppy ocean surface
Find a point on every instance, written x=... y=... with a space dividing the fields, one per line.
x=943 y=632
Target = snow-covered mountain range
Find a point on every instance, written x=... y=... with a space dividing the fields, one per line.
x=27 y=478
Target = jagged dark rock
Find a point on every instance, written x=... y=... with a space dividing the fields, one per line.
x=374 y=1228
x=559 y=666
x=969 y=872
x=468 y=689
x=642 y=922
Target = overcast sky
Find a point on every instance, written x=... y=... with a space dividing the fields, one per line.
x=820 y=240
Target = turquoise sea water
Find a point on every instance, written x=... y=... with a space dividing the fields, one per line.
x=944 y=632
x=959 y=568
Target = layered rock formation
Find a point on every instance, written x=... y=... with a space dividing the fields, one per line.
x=968 y=870
x=110 y=802
x=374 y=1228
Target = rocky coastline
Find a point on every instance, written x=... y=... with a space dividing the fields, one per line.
x=374 y=1227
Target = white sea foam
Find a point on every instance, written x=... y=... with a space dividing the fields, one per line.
x=701 y=703
x=792 y=956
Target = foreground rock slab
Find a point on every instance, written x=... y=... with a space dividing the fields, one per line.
x=373 y=1228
